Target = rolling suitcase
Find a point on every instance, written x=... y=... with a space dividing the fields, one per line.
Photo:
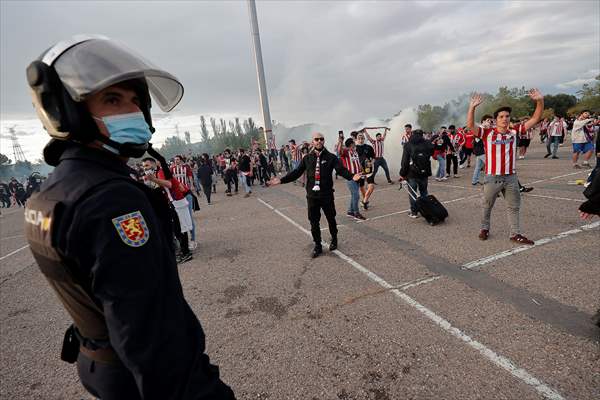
x=429 y=207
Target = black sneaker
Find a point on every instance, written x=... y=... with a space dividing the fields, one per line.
x=317 y=251
x=547 y=155
x=350 y=214
x=365 y=205
x=184 y=258
x=554 y=157
x=333 y=244
x=359 y=216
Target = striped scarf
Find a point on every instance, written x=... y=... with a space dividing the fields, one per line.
x=316 y=188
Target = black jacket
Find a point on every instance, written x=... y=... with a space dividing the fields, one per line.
x=329 y=163
x=101 y=240
x=415 y=144
x=592 y=192
x=205 y=173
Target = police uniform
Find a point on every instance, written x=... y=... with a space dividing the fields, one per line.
x=104 y=241
x=100 y=239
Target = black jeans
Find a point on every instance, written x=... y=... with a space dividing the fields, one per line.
x=106 y=381
x=231 y=177
x=207 y=189
x=381 y=162
x=451 y=159
x=315 y=205
x=419 y=184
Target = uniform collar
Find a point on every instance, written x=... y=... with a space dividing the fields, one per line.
x=76 y=151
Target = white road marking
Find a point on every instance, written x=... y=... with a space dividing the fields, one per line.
x=539 y=242
x=553 y=197
x=405 y=211
x=11 y=237
x=13 y=252
x=327 y=228
x=376 y=191
x=449 y=185
x=497 y=359
x=419 y=282
x=555 y=177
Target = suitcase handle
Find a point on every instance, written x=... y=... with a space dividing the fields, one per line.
x=411 y=191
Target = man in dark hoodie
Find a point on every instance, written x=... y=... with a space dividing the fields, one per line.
x=415 y=167
x=319 y=165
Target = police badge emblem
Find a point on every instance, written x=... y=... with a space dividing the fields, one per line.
x=132 y=229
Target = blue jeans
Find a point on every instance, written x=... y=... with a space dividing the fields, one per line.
x=244 y=180
x=552 y=145
x=441 y=172
x=354 y=196
x=380 y=162
x=190 y=201
x=479 y=165
x=421 y=185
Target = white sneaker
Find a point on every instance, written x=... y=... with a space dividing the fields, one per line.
x=193 y=245
x=445 y=178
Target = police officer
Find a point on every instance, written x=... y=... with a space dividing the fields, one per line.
x=103 y=240
x=319 y=165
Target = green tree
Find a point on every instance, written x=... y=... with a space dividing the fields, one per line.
x=560 y=103
x=174 y=145
x=4 y=159
x=590 y=98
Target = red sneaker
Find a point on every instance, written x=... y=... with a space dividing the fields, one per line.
x=522 y=240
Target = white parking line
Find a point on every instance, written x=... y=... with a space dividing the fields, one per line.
x=488 y=353
x=405 y=211
x=555 y=177
x=539 y=242
x=553 y=197
x=13 y=252
x=419 y=282
x=12 y=237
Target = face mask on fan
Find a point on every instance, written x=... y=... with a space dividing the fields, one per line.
x=127 y=128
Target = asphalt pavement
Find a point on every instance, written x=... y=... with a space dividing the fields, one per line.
x=402 y=310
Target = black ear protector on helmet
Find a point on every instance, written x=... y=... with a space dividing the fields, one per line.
x=66 y=119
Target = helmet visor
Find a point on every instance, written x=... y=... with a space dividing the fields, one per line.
x=97 y=64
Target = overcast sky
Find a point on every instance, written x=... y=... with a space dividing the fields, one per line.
x=325 y=62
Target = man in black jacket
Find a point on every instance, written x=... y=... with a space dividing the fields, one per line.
x=319 y=165
x=416 y=166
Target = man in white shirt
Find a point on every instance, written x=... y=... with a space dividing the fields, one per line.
x=581 y=142
x=556 y=129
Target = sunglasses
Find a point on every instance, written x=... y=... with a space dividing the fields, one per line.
x=319 y=139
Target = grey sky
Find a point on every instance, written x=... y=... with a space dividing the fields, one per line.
x=325 y=61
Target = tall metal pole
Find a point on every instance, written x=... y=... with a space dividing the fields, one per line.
x=260 y=72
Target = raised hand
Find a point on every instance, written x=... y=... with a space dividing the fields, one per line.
x=476 y=99
x=535 y=94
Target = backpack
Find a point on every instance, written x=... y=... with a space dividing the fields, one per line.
x=420 y=163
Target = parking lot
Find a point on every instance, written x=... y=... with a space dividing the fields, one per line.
x=402 y=310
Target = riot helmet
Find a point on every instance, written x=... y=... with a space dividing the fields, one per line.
x=66 y=74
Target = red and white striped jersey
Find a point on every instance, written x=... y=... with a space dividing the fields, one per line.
x=500 y=150
x=183 y=173
x=377 y=146
x=557 y=127
x=350 y=160
x=457 y=139
x=296 y=153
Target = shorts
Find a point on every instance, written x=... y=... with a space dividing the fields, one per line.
x=371 y=179
x=524 y=142
x=582 y=147
x=467 y=151
x=361 y=182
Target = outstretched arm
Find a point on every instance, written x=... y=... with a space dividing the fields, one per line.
x=538 y=97
x=476 y=100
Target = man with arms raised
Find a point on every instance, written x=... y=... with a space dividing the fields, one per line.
x=500 y=145
x=319 y=165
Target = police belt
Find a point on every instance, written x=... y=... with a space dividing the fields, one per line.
x=97 y=350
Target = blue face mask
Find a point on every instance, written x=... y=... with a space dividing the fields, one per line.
x=127 y=128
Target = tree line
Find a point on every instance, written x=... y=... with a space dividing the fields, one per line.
x=431 y=117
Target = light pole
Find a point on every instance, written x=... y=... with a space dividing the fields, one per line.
x=260 y=73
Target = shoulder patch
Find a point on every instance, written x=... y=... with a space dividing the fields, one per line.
x=132 y=229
